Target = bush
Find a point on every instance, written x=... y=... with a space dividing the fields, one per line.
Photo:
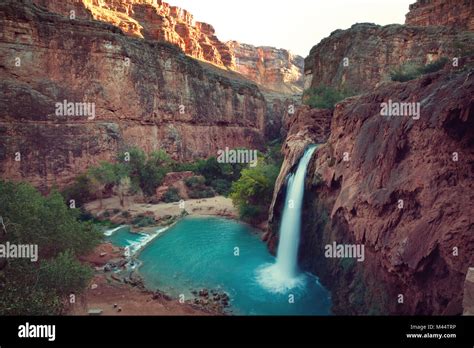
x=253 y=192
x=410 y=71
x=34 y=288
x=202 y=192
x=434 y=66
x=143 y=221
x=195 y=181
x=251 y=213
x=221 y=186
x=171 y=196
x=324 y=97
x=79 y=191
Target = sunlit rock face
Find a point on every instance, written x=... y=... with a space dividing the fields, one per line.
x=151 y=20
x=146 y=94
x=454 y=13
x=275 y=69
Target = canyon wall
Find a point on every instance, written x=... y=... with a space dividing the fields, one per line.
x=359 y=58
x=357 y=179
x=275 y=69
x=146 y=94
x=454 y=13
x=400 y=186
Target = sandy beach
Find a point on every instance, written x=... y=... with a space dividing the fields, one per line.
x=215 y=206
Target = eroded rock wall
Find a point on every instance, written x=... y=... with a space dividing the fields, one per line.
x=359 y=58
x=146 y=94
x=454 y=13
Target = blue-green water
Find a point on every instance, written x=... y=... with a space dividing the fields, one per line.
x=201 y=253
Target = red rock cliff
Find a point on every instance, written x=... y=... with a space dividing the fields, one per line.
x=273 y=68
x=455 y=13
x=147 y=94
x=276 y=69
x=359 y=58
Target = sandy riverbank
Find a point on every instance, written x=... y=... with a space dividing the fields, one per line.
x=215 y=206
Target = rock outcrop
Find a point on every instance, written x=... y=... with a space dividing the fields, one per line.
x=359 y=58
x=400 y=186
x=145 y=94
x=454 y=13
x=151 y=20
x=156 y=20
x=276 y=69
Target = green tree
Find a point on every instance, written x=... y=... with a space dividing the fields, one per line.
x=34 y=288
x=253 y=192
x=101 y=176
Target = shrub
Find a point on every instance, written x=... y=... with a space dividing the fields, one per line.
x=405 y=72
x=41 y=288
x=410 y=71
x=143 y=221
x=434 y=66
x=253 y=192
x=171 y=195
x=221 y=186
x=324 y=97
x=195 y=181
x=202 y=192
x=79 y=191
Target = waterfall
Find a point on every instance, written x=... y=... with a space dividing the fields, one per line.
x=290 y=226
x=284 y=273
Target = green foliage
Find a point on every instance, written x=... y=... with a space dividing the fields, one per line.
x=79 y=191
x=171 y=196
x=205 y=192
x=434 y=66
x=324 y=97
x=143 y=221
x=410 y=71
x=146 y=172
x=221 y=186
x=195 y=181
x=65 y=274
x=253 y=192
x=197 y=187
x=31 y=218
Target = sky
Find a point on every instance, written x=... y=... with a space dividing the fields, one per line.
x=296 y=25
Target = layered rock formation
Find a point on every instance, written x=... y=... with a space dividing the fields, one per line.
x=146 y=94
x=151 y=20
x=369 y=166
x=359 y=58
x=276 y=69
x=454 y=13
